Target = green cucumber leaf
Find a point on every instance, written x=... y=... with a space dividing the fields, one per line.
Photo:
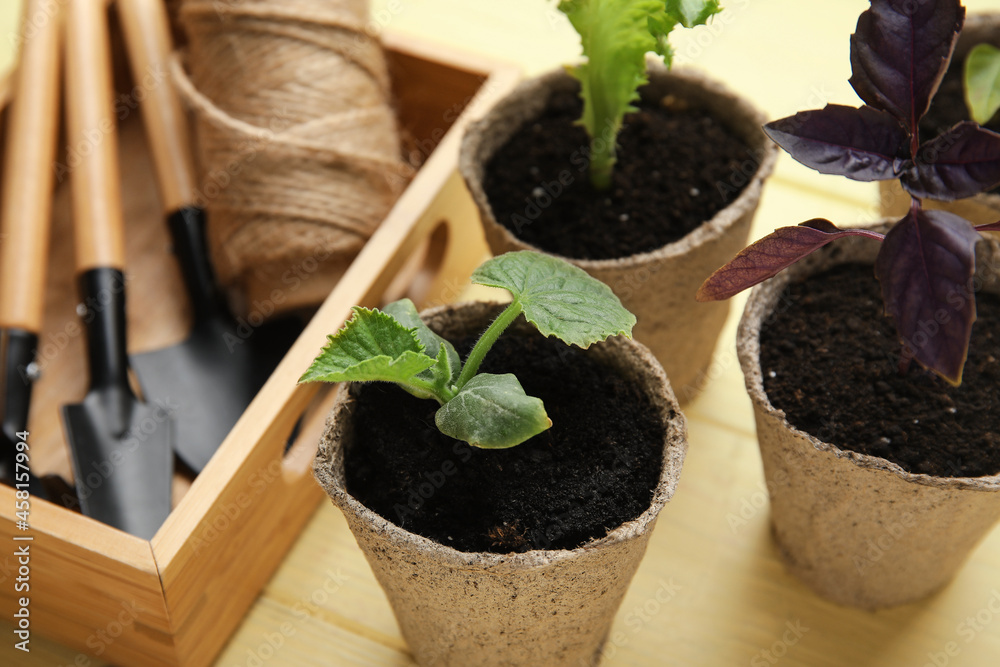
x=447 y=368
x=560 y=299
x=371 y=346
x=982 y=82
x=492 y=412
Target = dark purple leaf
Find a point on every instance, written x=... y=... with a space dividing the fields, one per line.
x=962 y=162
x=900 y=51
x=862 y=144
x=991 y=227
x=765 y=258
x=925 y=266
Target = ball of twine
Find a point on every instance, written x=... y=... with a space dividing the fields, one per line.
x=298 y=145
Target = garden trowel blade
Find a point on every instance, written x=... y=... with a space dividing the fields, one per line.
x=210 y=378
x=122 y=459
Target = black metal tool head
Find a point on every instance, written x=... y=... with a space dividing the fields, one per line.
x=120 y=473
x=211 y=377
x=214 y=374
x=121 y=447
x=18 y=372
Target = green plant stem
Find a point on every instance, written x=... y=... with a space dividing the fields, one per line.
x=486 y=341
x=600 y=170
x=441 y=394
x=604 y=136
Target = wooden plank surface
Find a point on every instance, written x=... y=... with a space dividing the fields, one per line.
x=712 y=590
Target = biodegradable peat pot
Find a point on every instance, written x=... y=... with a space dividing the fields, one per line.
x=832 y=509
x=658 y=286
x=984 y=208
x=552 y=607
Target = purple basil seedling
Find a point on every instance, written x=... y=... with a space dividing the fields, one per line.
x=899 y=54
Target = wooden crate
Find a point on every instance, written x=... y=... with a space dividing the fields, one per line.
x=176 y=599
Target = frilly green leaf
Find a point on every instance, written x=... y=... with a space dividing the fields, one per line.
x=690 y=13
x=615 y=38
x=616 y=35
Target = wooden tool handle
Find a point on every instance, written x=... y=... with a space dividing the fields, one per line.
x=147 y=36
x=93 y=141
x=26 y=194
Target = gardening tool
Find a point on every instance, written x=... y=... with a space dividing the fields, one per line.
x=25 y=217
x=217 y=371
x=121 y=446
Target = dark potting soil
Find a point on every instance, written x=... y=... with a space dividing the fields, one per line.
x=830 y=358
x=676 y=169
x=596 y=468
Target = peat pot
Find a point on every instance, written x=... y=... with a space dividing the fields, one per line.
x=658 y=286
x=859 y=529
x=540 y=607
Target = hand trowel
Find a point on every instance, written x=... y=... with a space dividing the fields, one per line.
x=121 y=446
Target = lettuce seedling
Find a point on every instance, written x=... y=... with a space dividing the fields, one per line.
x=616 y=36
x=899 y=54
x=982 y=82
x=485 y=410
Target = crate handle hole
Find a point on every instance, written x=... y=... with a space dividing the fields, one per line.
x=416 y=277
x=300 y=448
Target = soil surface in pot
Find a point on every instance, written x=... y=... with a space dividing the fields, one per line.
x=596 y=468
x=829 y=359
x=676 y=168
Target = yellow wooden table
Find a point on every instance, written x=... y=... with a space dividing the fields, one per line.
x=712 y=590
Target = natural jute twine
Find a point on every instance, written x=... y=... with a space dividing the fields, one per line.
x=298 y=145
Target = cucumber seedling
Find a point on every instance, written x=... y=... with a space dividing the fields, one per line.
x=483 y=409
